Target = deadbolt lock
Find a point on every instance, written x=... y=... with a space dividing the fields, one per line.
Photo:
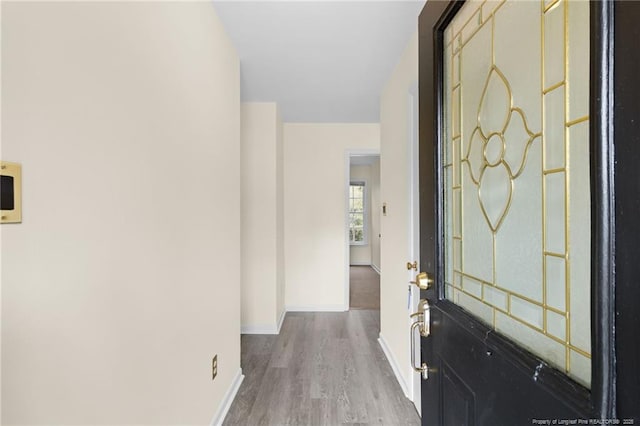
x=413 y=265
x=423 y=281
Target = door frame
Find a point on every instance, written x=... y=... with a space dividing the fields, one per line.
x=347 y=182
x=613 y=111
x=413 y=221
x=618 y=129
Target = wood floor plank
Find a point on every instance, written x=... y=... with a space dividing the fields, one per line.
x=324 y=368
x=364 y=288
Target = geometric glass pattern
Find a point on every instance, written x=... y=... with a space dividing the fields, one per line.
x=516 y=168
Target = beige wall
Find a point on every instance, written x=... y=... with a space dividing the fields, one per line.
x=394 y=189
x=376 y=208
x=361 y=254
x=315 y=172
x=123 y=280
x=262 y=242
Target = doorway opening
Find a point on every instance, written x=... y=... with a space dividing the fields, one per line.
x=363 y=229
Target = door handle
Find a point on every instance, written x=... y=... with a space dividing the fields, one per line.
x=423 y=281
x=423 y=369
x=424 y=317
x=423 y=325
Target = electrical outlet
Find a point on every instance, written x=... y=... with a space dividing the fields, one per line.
x=214 y=367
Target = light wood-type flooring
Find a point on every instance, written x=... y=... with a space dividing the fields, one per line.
x=364 y=288
x=324 y=368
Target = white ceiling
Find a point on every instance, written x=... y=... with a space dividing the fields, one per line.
x=321 y=61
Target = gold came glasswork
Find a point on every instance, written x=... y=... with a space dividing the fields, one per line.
x=486 y=151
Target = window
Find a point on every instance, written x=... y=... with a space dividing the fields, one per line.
x=357 y=214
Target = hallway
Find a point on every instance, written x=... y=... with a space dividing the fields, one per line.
x=324 y=368
x=364 y=288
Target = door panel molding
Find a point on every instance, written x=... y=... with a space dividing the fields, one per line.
x=462 y=409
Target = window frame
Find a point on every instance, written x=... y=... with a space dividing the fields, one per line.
x=365 y=213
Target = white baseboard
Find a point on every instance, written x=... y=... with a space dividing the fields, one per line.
x=374 y=267
x=264 y=329
x=316 y=308
x=281 y=320
x=394 y=366
x=259 y=329
x=218 y=418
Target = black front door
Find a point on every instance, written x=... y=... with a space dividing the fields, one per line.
x=529 y=192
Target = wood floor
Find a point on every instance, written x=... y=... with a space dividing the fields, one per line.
x=324 y=368
x=364 y=288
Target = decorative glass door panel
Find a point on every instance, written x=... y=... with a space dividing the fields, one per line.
x=516 y=167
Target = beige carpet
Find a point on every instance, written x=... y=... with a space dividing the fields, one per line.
x=364 y=288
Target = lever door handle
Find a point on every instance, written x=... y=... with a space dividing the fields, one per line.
x=424 y=317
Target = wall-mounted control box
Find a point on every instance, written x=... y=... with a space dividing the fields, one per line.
x=10 y=192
